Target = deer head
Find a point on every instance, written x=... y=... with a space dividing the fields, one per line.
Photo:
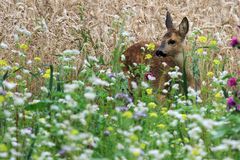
x=172 y=41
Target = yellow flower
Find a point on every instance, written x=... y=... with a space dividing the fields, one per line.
x=9 y=94
x=24 y=47
x=195 y=151
x=3 y=148
x=179 y=140
x=210 y=74
x=148 y=56
x=216 y=62
x=213 y=43
x=202 y=39
x=42 y=120
x=150 y=46
x=47 y=74
x=186 y=140
x=74 y=132
x=15 y=68
x=133 y=138
x=3 y=63
x=218 y=95
x=136 y=153
x=2 y=98
x=127 y=114
x=153 y=114
x=37 y=59
x=110 y=129
x=200 y=50
x=142 y=145
x=161 y=126
x=149 y=91
x=184 y=116
x=152 y=105
x=164 y=110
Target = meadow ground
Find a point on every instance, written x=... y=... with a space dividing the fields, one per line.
x=63 y=95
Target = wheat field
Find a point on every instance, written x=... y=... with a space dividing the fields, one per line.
x=57 y=25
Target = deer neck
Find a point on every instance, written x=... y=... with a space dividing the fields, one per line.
x=179 y=59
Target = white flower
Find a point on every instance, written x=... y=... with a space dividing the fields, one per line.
x=90 y=95
x=164 y=64
x=204 y=53
x=120 y=146
x=19 y=77
x=221 y=147
x=123 y=58
x=98 y=81
x=93 y=58
x=54 y=107
x=144 y=84
x=164 y=91
x=110 y=98
x=68 y=88
x=92 y=108
x=7 y=113
x=9 y=85
x=134 y=85
x=24 y=31
x=70 y=102
x=174 y=74
x=125 y=34
x=175 y=86
x=150 y=77
x=3 y=45
x=44 y=89
x=71 y=52
x=18 y=101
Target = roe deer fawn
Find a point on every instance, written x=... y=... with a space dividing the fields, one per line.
x=163 y=57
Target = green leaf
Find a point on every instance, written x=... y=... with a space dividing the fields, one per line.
x=44 y=104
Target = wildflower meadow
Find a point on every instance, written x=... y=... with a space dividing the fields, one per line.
x=64 y=95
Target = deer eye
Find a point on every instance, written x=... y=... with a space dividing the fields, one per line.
x=171 y=41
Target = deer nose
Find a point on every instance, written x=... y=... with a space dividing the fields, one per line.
x=160 y=53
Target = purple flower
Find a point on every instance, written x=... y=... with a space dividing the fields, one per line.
x=238 y=107
x=62 y=152
x=232 y=82
x=123 y=96
x=2 y=92
x=139 y=115
x=121 y=108
x=231 y=102
x=234 y=41
x=106 y=133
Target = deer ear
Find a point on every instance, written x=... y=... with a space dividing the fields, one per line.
x=168 y=21
x=183 y=27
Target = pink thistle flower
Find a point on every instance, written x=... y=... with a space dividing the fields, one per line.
x=234 y=41
x=232 y=82
x=231 y=102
